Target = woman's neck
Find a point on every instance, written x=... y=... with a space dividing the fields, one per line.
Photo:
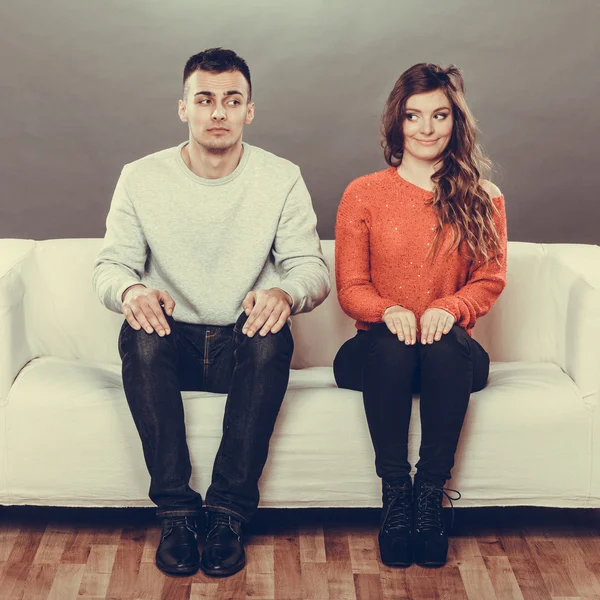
x=418 y=172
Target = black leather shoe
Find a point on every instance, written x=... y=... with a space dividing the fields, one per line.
x=395 y=531
x=223 y=553
x=177 y=552
x=431 y=538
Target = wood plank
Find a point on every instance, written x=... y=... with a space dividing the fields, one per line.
x=368 y=586
x=66 y=582
x=315 y=584
x=312 y=544
x=97 y=573
x=126 y=567
x=287 y=576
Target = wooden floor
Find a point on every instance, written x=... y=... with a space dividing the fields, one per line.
x=520 y=553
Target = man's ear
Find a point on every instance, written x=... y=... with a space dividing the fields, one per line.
x=181 y=111
x=250 y=114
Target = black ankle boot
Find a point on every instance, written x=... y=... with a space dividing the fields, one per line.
x=431 y=538
x=395 y=532
x=223 y=552
x=177 y=552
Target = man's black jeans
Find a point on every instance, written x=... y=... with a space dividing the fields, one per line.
x=388 y=372
x=254 y=372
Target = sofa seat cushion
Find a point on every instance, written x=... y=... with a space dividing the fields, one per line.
x=74 y=415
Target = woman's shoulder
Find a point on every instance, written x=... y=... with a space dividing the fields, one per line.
x=492 y=189
x=369 y=182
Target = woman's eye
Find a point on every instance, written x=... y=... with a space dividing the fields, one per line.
x=443 y=115
x=410 y=116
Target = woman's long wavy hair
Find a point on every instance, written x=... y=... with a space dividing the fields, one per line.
x=458 y=198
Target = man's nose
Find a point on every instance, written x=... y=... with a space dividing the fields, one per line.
x=219 y=114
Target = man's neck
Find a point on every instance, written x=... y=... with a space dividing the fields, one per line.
x=211 y=165
x=417 y=171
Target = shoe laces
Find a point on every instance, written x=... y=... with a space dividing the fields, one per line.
x=217 y=519
x=429 y=505
x=172 y=522
x=399 y=506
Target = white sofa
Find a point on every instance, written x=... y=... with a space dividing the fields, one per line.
x=531 y=437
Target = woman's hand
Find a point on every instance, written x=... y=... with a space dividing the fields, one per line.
x=435 y=322
x=401 y=322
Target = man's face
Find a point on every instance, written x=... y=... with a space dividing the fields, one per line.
x=216 y=108
x=427 y=126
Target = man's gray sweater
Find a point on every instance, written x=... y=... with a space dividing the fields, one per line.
x=208 y=242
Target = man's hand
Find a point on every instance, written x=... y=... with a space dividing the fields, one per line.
x=267 y=310
x=435 y=322
x=142 y=308
x=401 y=322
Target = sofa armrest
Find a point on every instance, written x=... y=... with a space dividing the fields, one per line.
x=15 y=351
x=574 y=288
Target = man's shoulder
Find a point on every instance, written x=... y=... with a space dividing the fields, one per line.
x=151 y=162
x=275 y=165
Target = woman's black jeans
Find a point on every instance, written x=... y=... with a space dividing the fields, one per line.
x=254 y=372
x=388 y=372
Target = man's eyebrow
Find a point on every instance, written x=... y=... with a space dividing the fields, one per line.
x=228 y=93
x=417 y=110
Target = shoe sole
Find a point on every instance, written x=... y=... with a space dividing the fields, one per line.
x=221 y=572
x=431 y=565
x=177 y=572
x=397 y=564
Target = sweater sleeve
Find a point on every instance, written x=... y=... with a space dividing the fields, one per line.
x=357 y=295
x=297 y=251
x=122 y=257
x=485 y=282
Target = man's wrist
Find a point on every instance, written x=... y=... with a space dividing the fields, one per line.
x=288 y=297
x=127 y=289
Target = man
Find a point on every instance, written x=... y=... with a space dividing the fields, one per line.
x=209 y=247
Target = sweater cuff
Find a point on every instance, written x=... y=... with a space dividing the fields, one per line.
x=294 y=292
x=449 y=304
x=122 y=288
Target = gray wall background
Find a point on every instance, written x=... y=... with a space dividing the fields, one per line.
x=89 y=86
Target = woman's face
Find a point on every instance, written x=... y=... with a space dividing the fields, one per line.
x=427 y=125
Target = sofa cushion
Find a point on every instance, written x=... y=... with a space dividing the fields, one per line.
x=71 y=440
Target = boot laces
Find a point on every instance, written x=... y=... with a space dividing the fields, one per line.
x=429 y=500
x=398 y=513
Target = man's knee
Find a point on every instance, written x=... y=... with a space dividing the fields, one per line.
x=138 y=345
x=268 y=349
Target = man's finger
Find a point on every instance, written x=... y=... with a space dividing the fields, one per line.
x=268 y=326
x=141 y=318
x=163 y=326
x=130 y=318
x=280 y=322
x=168 y=302
x=152 y=319
x=248 y=303
x=257 y=322
x=259 y=305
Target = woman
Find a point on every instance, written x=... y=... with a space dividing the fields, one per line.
x=420 y=255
